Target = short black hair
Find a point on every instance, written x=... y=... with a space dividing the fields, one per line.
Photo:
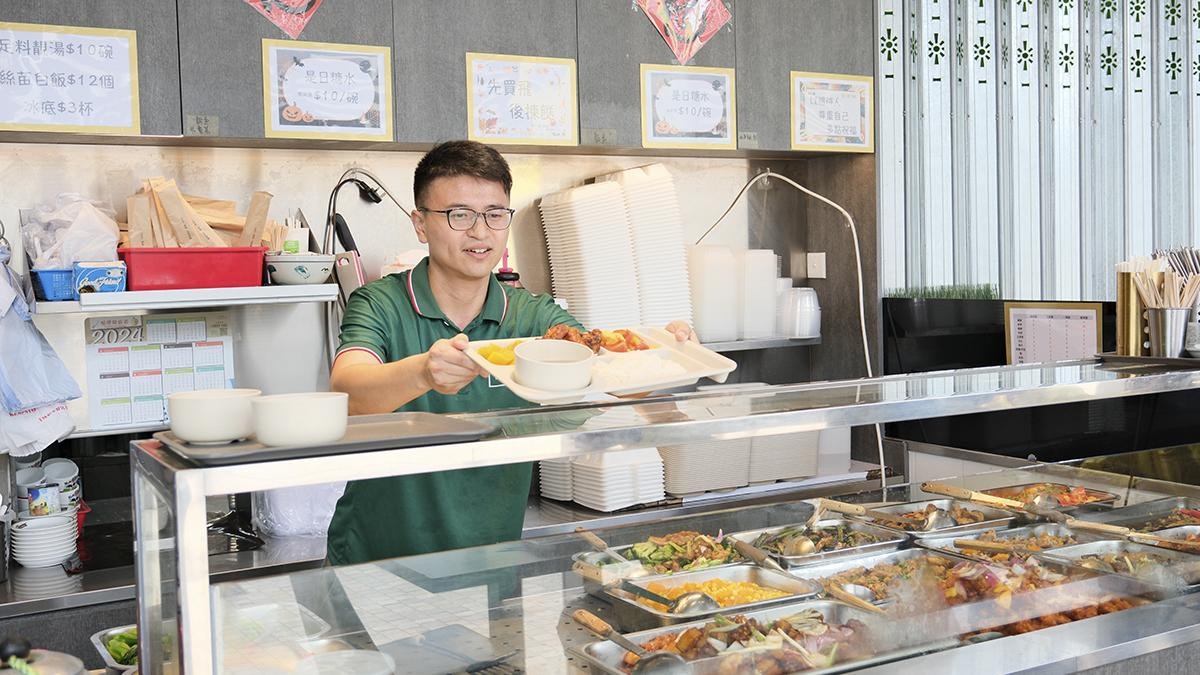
x=460 y=158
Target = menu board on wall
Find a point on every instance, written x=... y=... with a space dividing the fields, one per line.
x=688 y=107
x=322 y=90
x=135 y=362
x=832 y=112
x=68 y=78
x=521 y=99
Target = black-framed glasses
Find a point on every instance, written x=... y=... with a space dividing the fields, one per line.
x=462 y=218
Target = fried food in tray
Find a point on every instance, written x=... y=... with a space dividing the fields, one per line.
x=1176 y=518
x=620 y=340
x=1065 y=495
x=682 y=551
x=1087 y=611
x=591 y=339
x=1034 y=541
x=739 y=644
x=884 y=578
x=784 y=542
x=726 y=593
x=962 y=515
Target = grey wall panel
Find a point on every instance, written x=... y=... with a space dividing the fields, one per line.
x=220 y=51
x=158 y=52
x=432 y=39
x=779 y=36
x=614 y=40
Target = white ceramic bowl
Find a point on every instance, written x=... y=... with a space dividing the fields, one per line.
x=553 y=365
x=301 y=419
x=212 y=415
x=299 y=269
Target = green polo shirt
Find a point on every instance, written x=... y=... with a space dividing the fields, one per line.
x=396 y=317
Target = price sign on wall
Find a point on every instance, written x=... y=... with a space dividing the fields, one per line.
x=66 y=78
x=321 y=90
x=686 y=107
x=521 y=99
x=832 y=112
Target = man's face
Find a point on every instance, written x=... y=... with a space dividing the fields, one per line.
x=465 y=254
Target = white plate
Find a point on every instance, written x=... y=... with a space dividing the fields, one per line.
x=33 y=541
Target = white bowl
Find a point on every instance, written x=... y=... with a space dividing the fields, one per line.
x=301 y=419
x=299 y=269
x=212 y=415
x=553 y=365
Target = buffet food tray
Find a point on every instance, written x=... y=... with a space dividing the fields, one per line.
x=1180 y=533
x=632 y=615
x=816 y=573
x=1139 y=516
x=891 y=540
x=364 y=433
x=946 y=544
x=1183 y=573
x=1162 y=361
x=1101 y=497
x=993 y=518
x=605 y=657
x=697 y=361
x=604 y=561
x=100 y=642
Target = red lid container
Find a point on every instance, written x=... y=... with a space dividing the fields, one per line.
x=159 y=269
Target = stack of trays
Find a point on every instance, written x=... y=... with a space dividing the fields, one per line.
x=706 y=466
x=616 y=480
x=587 y=236
x=44 y=541
x=659 y=252
x=554 y=477
x=784 y=456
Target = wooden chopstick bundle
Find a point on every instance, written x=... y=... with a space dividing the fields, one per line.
x=1175 y=291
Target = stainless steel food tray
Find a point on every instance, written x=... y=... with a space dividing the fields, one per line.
x=100 y=642
x=946 y=544
x=1182 y=573
x=632 y=615
x=1104 y=499
x=364 y=433
x=890 y=540
x=816 y=573
x=993 y=518
x=605 y=657
x=1181 y=532
x=1138 y=516
x=597 y=559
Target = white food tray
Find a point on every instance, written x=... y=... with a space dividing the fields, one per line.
x=696 y=360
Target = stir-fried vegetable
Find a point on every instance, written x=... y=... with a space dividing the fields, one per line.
x=785 y=541
x=123 y=647
x=682 y=551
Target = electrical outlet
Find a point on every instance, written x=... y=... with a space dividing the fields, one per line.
x=816 y=265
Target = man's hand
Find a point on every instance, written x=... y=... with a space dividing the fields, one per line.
x=682 y=332
x=447 y=367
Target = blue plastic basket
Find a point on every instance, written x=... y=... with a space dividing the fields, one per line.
x=53 y=285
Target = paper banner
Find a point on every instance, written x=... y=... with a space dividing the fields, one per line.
x=291 y=16
x=686 y=25
x=323 y=90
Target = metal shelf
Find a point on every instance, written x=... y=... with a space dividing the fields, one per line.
x=765 y=343
x=191 y=297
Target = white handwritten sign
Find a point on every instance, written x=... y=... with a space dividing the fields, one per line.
x=319 y=90
x=688 y=107
x=521 y=99
x=67 y=78
x=832 y=112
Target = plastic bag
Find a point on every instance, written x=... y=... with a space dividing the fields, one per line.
x=71 y=230
x=297 y=511
x=27 y=432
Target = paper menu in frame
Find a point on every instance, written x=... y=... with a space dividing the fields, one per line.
x=323 y=90
x=68 y=78
x=688 y=107
x=526 y=100
x=832 y=112
x=1041 y=332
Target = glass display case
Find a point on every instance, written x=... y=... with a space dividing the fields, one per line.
x=509 y=606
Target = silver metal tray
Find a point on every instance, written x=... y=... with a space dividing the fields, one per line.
x=890 y=540
x=1179 y=533
x=598 y=559
x=1104 y=499
x=1182 y=573
x=1162 y=361
x=816 y=573
x=632 y=615
x=605 y=657
x=946 y=544
x=99 y=640
x=364 y=433
x=1139 y=516
x=993 y=518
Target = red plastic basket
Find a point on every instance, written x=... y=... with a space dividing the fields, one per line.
x=154 y=269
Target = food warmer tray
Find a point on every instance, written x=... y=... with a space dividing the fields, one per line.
x=364 y=433
x=1138 y=516
x=815 y=573
x=994 y=519
x=1183 y=574
x=1104 y=499
x=1112 y=358
x=604 y=656
x=632 y=615
x=1180 y=533
x=946 y=544
x=891 y=540
x=603 y=559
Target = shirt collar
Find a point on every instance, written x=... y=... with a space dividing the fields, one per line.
x=495 y=305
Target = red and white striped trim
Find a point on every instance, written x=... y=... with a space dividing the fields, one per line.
x=412 y=295
x=347 y=350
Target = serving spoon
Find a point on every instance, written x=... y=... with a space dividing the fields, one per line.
x=688 y=603
x=648 y=662
x=937 y=520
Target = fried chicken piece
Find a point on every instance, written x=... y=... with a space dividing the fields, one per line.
x=562 y=331
x=592 y=340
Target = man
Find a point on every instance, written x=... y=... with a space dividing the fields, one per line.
x=403 y=344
